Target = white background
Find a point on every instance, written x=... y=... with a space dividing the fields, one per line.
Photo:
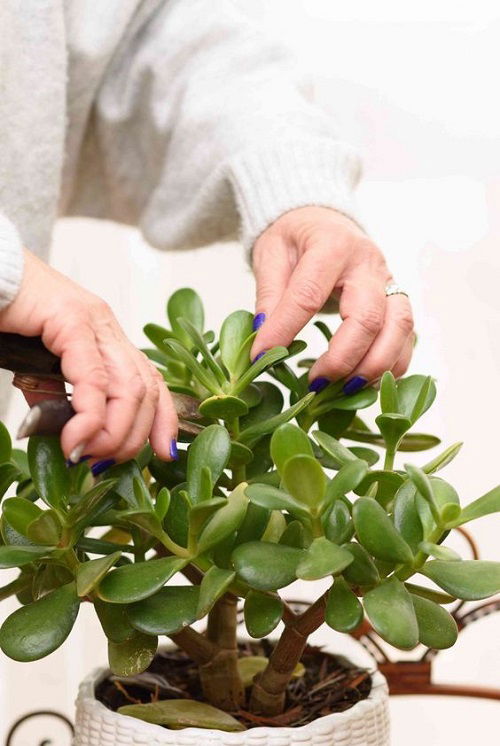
x=415 y=87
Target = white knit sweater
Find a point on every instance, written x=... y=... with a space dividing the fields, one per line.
x=173 y=115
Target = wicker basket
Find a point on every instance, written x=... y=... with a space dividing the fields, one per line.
x=365 y=724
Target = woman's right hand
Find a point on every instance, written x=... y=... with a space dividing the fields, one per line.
x=119 y=397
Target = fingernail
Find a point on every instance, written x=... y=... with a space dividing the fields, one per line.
x=319 y=384
x=354 y=385
x=258 y=320
x=76 y=453
x=258 y=357
x=101 y=466
x=70 y=463
x=174 y=452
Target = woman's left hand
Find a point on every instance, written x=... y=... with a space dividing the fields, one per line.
x=309 y=255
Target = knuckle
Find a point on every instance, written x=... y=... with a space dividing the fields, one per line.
x=404 y=321
x=137 y=388
x=309 y=296
x=370 y=320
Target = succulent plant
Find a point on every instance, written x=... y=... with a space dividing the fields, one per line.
x=263 y=493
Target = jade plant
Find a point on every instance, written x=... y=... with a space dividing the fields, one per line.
x=263 y=493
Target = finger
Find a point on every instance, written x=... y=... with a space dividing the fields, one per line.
x=163 y=436
x=82 y=365
x=309 y=286
x=126 y=392
x=362 y=308
x=388 y=347
x=272 y=268
x=404 y=360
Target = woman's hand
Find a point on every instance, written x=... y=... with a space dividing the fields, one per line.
x=307 y=256
x=119 y=397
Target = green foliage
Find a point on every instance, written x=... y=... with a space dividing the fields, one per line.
x=274 y=488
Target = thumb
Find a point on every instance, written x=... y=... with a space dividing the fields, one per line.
x=273 y=267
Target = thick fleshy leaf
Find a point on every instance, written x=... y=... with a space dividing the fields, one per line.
x=387 y=483
x=9 y=473
x=439 y=462
x=177 y=520
x=344 y=611
x=415 y=395
x=295 y=535
x=323 y=558
x=202 y=374
x=392 y=428
x=145 y=519
x=272 y=498
x=124 y=476
x=114 y=621
x=215 y=583
x=485 y=505
x=262 y=612
x=390 y=610
x=338 y=524
x=333 y=447
x=45 y=529
x=259 y=366
x=407 y=517
x=134 y=582
x=185 y=303
x=211 y=448
x=223 y=407
x=234 y=331
x=167 y=612
x=289 y=440
x=410 y=442
x=362 y=571
x=270 y=404
x=197 y=339
x=365 y=454
x=305 y=480
x=364 y=398
x=92 y=572
x=132 y=656
x=266 y=566
x=182 y=713
x=276 y=527
x=17 y=556
x=253 y=525
x=49 y=577
x=250 y=435
x=20 y=512
x=225 y=520
x=240 y=454
x=437 y=596
x=422 y=483
x=200 y=513
x=5 y=444
x=158 y=335
x=48 y=469
x=389 y=394
x=436 y=627
x=377 y=533
x=470 y=580
x=36 y=630
x=97 y=499
x=439 y=551
x=347 y=479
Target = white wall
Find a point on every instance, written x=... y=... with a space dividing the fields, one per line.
x=415 y=87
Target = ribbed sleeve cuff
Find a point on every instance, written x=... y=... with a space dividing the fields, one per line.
x=270 y=181
x=11 y=261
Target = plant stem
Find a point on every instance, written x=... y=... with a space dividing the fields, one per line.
x=389 y=460
x=220 y=678
x=17 y=585
x=269 y=689
x=199 y=649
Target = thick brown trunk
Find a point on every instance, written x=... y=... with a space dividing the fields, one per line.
x=220 y=678
x=269 y=689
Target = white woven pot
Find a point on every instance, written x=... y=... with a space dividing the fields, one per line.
x=365 y=724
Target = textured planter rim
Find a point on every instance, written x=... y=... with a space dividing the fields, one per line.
x=328 y=724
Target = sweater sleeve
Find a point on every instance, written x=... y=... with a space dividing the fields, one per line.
x=200 y=131
x=11 y=261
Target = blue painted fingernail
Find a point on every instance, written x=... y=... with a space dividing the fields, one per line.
x=354 y=385
x=70 y=463
x=258 y=320
x=174 y=452
x=258 y=357
x=319 y=384
x=101 y=466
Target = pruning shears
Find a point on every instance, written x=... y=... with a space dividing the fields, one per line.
x=30 y=361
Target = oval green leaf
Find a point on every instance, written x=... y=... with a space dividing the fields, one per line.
x=134 y=582
x=390 y=610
